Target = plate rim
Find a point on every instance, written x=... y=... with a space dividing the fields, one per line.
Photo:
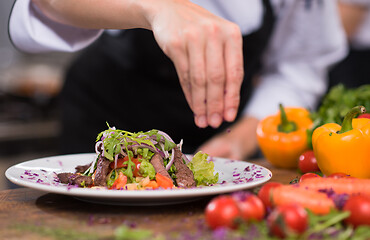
x=134 y=194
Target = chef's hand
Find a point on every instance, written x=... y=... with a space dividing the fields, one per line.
x=207 y=53
x=238 y=142
x=206 y=49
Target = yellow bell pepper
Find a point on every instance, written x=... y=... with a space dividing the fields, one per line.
x=345 y=148
x=281 y=140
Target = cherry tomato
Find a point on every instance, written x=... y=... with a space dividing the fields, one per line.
x=307 y=162
x=364 y=115
x=359 y=206
x=285 y=219
x=339 y=175
x=251 y=207
x=265 y=193
x=222 y=211
x=308 y=175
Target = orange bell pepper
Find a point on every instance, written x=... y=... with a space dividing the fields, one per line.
x=344 y=148
x=281 y=140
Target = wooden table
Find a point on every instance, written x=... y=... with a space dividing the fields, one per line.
x=31 y=214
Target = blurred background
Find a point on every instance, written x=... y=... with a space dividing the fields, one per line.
x=29 y=87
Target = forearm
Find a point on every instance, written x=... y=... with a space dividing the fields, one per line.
x=98 y=14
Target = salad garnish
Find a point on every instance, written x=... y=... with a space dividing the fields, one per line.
x=143 y=160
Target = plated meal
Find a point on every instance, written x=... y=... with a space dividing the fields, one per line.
x=143 y=160
x=144 y=168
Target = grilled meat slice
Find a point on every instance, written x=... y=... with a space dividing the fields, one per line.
x=75 y=179
x=102 y=170
x=65 y=176
x=82 y=168
x=157 y=162
x=82 y=181
x=184 y=176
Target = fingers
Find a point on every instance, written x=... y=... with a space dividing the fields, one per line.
x=207 y=53
x=182 y=68
x=215 y=79
x=197 y=64
x=216 y=74
x=234 y=74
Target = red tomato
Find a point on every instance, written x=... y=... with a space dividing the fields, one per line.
x=359 y=206
x=339 y=175
x=137 y=167
x=307 y=162
x=222 y=211
x=163 y=182
x=121 y=162
x=251 y=207
x=289 y=218
x=308 y=175
x=265 y=193
x=120 y=181
x=364 y=115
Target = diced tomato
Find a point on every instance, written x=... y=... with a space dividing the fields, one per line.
x=152 y=184
x=163 y=182
x=137 y=167
x=120 y=181
x=122 y=162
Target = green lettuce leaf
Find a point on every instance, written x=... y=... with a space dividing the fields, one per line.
x=203 y=169
x=147 y=169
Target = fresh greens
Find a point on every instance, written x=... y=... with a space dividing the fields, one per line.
x=172 y=171
x=147 y=169
x=125 y=233
x=113 y=139
x=145 y=153
x=339 y=101
x=203 y=169
x=46 y=232
x=114 y=144
x=112 y=176
x=117 y=141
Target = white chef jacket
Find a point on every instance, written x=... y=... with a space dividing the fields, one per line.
x=307 y=39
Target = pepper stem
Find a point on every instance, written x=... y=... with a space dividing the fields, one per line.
x=285 y=126
x=347 y=122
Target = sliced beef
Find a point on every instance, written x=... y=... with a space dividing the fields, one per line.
x=102 y=170
x=82 y=168
x=82 y=181
x=75 y=179
x=185 y=177
x=157 y=162
x=64 y=177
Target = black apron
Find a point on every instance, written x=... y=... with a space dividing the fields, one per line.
x=128 y=82
x=353 y=71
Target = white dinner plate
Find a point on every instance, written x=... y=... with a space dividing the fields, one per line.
x=40 y=174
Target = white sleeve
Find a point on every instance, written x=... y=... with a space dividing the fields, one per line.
x=31 y=31
x=306 y=41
